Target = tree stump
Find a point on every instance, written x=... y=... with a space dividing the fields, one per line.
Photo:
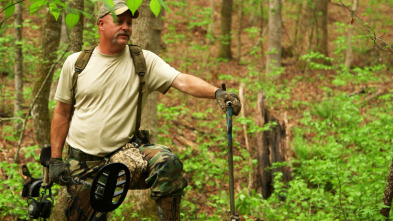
x=272 y=147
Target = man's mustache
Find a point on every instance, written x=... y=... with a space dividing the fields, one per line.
x=122 y=33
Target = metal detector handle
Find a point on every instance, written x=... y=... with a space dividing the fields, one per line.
x=80 y=181
x=46 y=177
x=229 y=112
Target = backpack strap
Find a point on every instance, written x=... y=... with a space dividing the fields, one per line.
x=140 y=69
x=80 y=65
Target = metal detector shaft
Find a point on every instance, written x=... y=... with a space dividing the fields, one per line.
x=230 y=162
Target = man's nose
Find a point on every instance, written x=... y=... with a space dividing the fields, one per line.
x=124 y=26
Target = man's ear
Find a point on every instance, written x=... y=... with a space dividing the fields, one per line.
x=100 y=24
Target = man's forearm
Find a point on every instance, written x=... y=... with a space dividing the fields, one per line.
x=59 y=128
x=59 y=131
x=194 y=86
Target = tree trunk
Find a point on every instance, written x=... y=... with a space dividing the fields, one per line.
x=262 y=65
x=40 y=112
x=77 y=31
x=239 y=31
x=272 y=147
x=312 y=33
x=210 y=26
x=273 y=58
x=349 y=52
x=18 y=65
x=249 y=148
x=64 y=30
x=388 y=194
x=224 y=43
x=321 y=17
x=147 y=34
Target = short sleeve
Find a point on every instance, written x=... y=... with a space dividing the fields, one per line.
x=63 y=91
x=160 y=75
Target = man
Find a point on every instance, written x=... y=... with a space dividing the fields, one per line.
x=103 y=117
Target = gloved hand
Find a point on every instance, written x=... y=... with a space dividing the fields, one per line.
x=58 y=171
x=223 y=96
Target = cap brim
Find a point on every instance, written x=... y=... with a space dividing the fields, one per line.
x=121 y=10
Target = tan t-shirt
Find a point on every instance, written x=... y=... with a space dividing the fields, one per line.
x=106 y=98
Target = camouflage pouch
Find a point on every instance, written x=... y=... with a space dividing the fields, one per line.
x=133 y=159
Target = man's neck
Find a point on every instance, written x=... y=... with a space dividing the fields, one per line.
x=110 y=49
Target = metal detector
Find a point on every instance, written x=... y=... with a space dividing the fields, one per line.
x=232 y=213
x=108 y=189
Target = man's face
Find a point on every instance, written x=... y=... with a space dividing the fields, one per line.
x=117 y=33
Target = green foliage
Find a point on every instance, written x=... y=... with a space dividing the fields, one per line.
x=316 y=61
x=9 y=9
x=72 y=19
x=11 y=203
x=133 y=5
x=359 y=75
x=155 y=7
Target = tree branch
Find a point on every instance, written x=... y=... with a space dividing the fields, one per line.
x=385 y=47
x=11 y=118
x=11 y=5
x=35 y=100
x=5 y=19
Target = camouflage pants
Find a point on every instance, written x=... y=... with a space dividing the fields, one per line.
x=163 y=176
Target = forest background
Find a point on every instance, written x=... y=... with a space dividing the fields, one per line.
x=314 y=139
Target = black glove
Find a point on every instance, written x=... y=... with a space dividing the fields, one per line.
x=58 y=171
x=223 y=96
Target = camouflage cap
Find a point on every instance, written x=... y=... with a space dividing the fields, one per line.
x=119 y=7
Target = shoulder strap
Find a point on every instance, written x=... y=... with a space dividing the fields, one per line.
x=80 y=65
x=139 y=60
x=140 y=69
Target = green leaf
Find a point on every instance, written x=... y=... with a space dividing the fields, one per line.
x=71 y=19
x=155 y=7
x=56 y=11
x=133 y=5
x=10 y=8
x=165 y=6
x=36 y=6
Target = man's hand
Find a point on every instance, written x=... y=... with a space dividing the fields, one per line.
x=58 y=171
x=223 y=96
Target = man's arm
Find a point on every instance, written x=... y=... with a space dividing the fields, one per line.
x=59 y=128
x=194 y=86
x=199 y=88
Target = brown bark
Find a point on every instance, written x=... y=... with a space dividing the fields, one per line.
x=321 y=16
x=18 y=67
x=349 y=51
x=64 y=30
x=40 y=112
x=210 y=26
x=239 y=31
x=388 y=194
x=250 y=150
x=313 y=31
x=224 y=43
x=76 y=34
x=261 y=32
x=272 y=147
x=273 y=58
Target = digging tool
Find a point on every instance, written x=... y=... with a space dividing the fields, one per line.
x=232 y=213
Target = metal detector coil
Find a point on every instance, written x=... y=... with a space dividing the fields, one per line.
x=109 y=187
